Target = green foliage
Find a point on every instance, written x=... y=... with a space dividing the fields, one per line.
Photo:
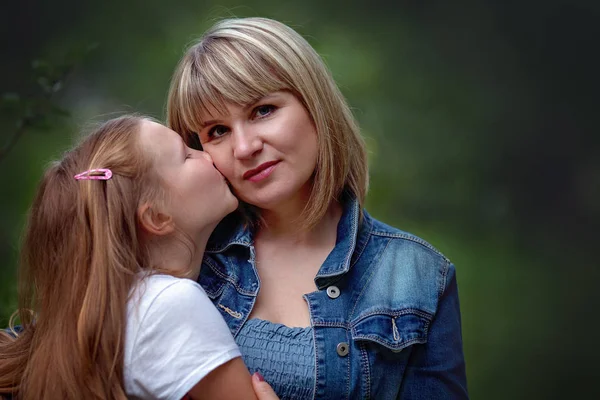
x=38 y=110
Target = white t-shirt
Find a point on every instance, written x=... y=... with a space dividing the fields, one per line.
x=174 y=337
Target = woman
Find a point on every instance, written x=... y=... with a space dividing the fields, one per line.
x=114 y=229
x=324 y=300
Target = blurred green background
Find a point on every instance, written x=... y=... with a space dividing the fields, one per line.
x=481 y=120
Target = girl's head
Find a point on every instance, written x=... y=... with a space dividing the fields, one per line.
x=229 y=71
x=87 y=239
x=196 y=194
x=159 y=187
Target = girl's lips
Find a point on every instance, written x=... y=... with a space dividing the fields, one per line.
x=261 y=172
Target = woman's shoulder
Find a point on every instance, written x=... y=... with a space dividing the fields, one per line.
x=403 y=240
x=407 y=266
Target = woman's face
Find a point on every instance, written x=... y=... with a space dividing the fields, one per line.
x=266 y=150
x=198 y=196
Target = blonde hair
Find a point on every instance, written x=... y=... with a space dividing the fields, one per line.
x=240 y=61
x=79 y=258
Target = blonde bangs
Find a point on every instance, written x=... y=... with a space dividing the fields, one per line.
x=218 y=72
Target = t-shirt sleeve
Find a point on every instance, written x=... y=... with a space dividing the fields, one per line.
x=181 y=338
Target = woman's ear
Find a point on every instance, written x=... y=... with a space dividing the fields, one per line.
x=154 y=221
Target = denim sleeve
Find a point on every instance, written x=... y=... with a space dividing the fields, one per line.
x=436 y=369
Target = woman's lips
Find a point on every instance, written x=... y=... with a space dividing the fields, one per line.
x=261 y=172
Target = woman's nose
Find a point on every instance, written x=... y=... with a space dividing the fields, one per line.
x=246 y=143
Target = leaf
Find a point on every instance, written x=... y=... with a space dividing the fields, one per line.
x=41 y=123
x=10 y=102
x=41 y=67
x=57 y=86
x=59 y=111
x=91 y=47
x=78 y=54
x=44 y=83
x=11 y=97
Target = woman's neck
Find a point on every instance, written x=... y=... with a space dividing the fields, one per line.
x=282 y=225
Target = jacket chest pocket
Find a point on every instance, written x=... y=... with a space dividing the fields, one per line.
x=394 y=330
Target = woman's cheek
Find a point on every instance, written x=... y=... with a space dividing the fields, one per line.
x=222 y=166
x=227 y=172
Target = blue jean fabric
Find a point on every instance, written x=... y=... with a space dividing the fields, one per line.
x=385 y=317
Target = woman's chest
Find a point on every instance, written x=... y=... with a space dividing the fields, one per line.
x=284 y=280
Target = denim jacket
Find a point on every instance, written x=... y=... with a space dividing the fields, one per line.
x=385 y=317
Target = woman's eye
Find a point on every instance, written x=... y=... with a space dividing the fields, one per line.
x=217 y=131
x=188 y=156
x=264 y=110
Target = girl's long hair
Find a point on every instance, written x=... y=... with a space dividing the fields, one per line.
x=79 y=258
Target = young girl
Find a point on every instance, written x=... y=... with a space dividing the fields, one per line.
x=115 y=228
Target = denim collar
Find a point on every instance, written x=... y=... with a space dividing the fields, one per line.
x=353 y=232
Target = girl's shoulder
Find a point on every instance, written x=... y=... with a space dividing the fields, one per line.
x=171 y=322
x=164 y=292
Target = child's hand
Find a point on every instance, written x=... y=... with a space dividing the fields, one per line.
x=262 y=389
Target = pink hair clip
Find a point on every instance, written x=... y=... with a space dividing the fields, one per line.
x=101 y=174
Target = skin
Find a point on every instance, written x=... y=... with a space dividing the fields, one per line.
x=192 y=180
x=276 y=128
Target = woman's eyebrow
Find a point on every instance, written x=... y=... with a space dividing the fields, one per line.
x=245 y=108
x=209 y=122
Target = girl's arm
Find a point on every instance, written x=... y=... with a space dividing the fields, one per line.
x=180 y=346
x=232 y=381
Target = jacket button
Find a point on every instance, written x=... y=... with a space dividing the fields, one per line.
x=342 y=349
x=333 y=292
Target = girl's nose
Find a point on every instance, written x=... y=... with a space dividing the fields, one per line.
x=207 y=156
